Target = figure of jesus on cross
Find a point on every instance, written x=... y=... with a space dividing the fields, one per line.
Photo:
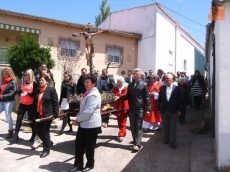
x=89 y=48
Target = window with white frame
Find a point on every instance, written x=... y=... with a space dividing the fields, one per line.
x=68 y=48
x=3 y=59
x=170 y=58
x=114 y=54
x=185 y=65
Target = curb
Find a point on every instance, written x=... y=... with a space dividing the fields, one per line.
x=202 y=151
x=202 y=155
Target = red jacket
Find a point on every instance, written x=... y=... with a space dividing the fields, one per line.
x=121 y=104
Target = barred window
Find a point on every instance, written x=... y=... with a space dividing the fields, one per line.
x=3 y=59
x=114 y=54
x=68 y=48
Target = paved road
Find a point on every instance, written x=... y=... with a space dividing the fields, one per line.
x=110 y=156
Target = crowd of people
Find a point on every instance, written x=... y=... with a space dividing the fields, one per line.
x=149 y=100
x=38 y=98
x=152 y=99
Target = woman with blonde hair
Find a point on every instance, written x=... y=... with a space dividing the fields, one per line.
x=7 y=93
x=26 y=104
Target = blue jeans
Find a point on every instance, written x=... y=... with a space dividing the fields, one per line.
x=8 y=107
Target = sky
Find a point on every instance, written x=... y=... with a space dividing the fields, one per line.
x=194 y=12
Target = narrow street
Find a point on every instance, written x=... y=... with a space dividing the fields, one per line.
x=110 y=155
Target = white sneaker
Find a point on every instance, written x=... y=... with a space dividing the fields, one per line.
x=37 y=143
x=119 y=139
x=105 y=125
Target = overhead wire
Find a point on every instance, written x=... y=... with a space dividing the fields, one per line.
x=183 y=17
x=192 y=28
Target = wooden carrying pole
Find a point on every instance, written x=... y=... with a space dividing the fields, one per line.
x=50 y=117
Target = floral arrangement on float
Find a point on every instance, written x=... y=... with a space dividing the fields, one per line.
x=107 y=101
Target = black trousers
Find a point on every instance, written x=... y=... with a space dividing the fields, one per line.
x=182 y=116
x=66 y=120
x=42 y=129
x=136 y=119
x=85 y=142
x=170 y=126
x=105 y=119
x=22 y=109
x=197 y=100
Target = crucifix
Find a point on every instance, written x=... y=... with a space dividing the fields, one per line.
x=89 y=48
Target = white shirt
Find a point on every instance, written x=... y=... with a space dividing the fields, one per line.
x=161 y=78
x=168 y=91
x=120 y=89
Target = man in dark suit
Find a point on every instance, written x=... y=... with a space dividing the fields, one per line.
x=42 y=66
x=139 y=106
x=105 y=83
x=144 y=79
x=161 y=75
x=170 y=106
x=129 y=78
x=80 y=83
x=149 y=77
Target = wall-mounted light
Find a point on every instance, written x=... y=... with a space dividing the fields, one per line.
x=7 y=40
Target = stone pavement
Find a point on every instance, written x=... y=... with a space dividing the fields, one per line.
x=195 y=153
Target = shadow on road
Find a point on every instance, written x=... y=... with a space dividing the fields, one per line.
x=67 y=147
x=21 y=151
x=156 y=156
x=57 y=166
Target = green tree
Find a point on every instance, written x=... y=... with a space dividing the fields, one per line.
x=104 y=12
x=28 y=54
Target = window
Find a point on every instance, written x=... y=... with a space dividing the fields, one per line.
x=114 y=54
x=170 y=58
x=68 y=48
x=185 y=65
x=3 y=59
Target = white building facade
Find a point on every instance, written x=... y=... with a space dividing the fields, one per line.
x=217 y=55
x=164 y=44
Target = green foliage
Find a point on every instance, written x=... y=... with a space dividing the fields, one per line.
x=27 y=55
x=104 y=12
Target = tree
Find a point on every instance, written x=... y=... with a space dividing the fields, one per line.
x=28 y=54
x=104 y=12
x=69 y=64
